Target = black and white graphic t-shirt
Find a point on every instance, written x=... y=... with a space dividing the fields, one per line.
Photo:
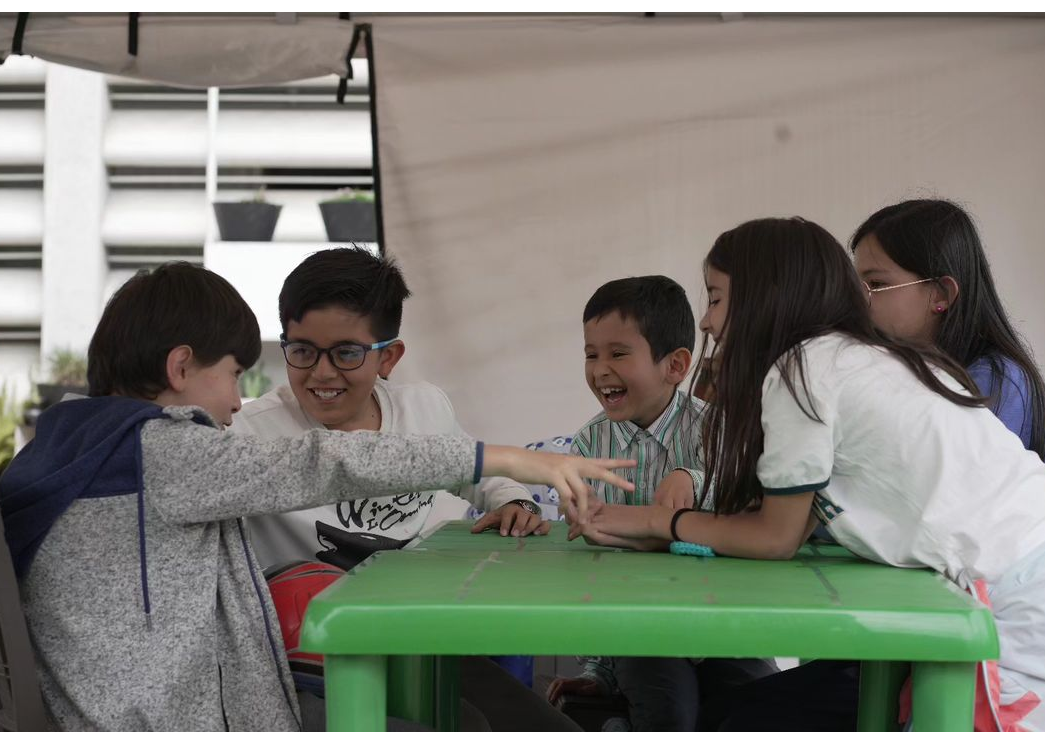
x=349 y=525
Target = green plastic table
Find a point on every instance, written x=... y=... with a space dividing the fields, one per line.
x=456 y=594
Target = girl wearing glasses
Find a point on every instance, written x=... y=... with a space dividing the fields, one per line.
x=819 y=417
x=928 y=282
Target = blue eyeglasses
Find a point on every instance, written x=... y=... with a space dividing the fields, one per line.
x=303 y=355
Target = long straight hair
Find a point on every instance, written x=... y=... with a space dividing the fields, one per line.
x=790 y=281
x=936 y=238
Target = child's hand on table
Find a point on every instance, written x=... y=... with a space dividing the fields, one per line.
x=513 y=520
x=675 y=491
x=620 y=526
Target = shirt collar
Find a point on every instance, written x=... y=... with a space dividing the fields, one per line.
x=626 y=432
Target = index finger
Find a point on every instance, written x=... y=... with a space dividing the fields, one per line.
x=484 y=522
x=600 y=469
x=569 y=511
x=574 y=500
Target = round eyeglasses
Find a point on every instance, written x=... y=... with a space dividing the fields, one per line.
x=871 y=292
x=346 y=357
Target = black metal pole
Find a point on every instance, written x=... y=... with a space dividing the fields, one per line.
x=368 y=41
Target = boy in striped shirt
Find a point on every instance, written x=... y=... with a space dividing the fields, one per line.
x=639 y=335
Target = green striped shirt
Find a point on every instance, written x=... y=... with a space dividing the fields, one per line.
x=670 y=442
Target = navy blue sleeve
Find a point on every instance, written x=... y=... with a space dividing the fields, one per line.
x=478 y=474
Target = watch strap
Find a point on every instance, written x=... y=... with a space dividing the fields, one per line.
x=528 y=505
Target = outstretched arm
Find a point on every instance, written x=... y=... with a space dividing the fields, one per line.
x=198 y=474
x=775 y=531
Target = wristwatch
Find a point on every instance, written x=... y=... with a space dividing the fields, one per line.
x=527 y=505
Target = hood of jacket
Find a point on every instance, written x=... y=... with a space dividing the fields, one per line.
x=83 y=448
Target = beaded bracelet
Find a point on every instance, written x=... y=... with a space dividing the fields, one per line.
x=686 y=548
x=681 y=547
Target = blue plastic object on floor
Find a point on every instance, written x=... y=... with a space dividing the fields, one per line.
x=520 y=667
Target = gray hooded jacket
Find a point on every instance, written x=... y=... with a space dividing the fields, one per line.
x=148 y=611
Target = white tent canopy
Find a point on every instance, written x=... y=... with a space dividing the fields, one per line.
x=525 y=160
x=188 y=49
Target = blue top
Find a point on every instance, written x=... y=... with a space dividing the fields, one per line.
x=1012 y=404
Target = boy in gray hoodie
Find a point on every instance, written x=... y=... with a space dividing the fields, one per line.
x=145 y=604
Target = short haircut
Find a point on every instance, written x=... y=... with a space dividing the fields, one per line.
x=350 y=278
x=152 y=313
x=657 y=304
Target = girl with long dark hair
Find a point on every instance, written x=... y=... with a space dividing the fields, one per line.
x=818 y=416
x=929 y=281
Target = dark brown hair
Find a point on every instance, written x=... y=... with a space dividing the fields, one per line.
x=176 y=304
x=350 y=278
x=790 y=281
x=657 y=304
x=934 y=238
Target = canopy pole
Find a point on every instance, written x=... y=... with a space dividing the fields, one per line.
x=132 y=34
x=375 y=164
x=16 y=40
x=212 y=159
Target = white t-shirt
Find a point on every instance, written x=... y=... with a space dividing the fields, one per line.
x=418 y=408
x=902 y=475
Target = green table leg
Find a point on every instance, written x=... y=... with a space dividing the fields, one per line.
x=880 y=683
x=943 y=696
x=448 y=692
x=355 y=692
x=410 y=683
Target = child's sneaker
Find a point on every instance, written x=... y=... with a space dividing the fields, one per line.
x=616 y=724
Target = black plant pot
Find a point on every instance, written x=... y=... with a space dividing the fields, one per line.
x=254 y=221
x=51 y=394
x=349 y=221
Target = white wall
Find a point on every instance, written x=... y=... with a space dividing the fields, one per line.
x=23 y=140
x=94 y=229
x=75 y=186
x=19 y=368
x=22 y=215
x=565 y=152
x=275 y=138
x=21 y=301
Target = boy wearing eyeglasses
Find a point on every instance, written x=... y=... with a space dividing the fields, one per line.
x=341 y=310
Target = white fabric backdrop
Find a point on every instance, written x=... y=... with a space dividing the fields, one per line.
x=527 y=161
x=190 y=49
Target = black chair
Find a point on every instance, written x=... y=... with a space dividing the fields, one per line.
x=21 y=705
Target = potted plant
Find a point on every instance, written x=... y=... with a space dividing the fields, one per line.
x=68 y=375
x=252 y=219
x=254 y=382
x=10 y=418
x=349 y=216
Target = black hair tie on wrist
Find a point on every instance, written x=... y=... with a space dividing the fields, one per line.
x=675 y=522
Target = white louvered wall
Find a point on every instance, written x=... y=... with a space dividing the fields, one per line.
x=293 y=140
x=21 y=221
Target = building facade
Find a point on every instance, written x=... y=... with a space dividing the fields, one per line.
x=102 y=176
